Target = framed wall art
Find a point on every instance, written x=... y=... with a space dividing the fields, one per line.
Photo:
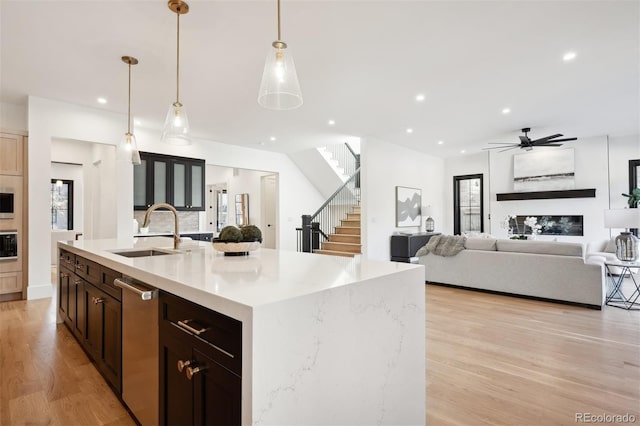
x=408 y=202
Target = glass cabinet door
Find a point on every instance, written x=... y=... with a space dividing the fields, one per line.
x=140 y=185
x=179 y=185
x=197 y=186
x=160 y=174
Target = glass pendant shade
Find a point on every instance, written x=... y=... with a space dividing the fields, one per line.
x=130 y=146
x=279 y=89
x=176 y=126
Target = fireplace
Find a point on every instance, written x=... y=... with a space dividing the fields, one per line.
x=571 y=226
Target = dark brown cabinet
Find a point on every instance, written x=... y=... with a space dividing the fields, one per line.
x=200 y=365
x=161 y=178
x=90 y=307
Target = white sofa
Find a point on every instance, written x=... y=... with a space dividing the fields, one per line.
x=540 y=269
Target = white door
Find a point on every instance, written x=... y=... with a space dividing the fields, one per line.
x=269 y=203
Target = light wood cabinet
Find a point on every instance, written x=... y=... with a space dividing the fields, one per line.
x=11 y=154
x=13 y=179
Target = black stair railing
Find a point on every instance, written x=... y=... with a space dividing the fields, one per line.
x=317 y=227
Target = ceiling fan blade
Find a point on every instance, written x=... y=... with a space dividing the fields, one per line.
x=501 y=143
x=552 y=143
x=511 y=147
x=546 y=138
x=565 y=140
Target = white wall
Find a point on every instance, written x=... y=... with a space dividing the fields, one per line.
x=600 y=162
x=239 y=181
x=13 y=117
x=49 y=120
x=385 y=166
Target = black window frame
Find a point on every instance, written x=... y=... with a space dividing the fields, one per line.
x=69 y=204
x=456 y=200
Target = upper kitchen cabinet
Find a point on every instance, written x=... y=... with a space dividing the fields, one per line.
x=164 y=179
x=188 y=184
x=11 y=154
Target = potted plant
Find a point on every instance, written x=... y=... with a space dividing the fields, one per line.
x=234 y=241
x=634 y=198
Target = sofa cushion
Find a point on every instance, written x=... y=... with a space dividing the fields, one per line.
x=540 y=247
x=480 y=244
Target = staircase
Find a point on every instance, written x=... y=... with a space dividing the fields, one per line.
x=346 y=239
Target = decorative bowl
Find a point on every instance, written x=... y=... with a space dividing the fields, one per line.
x=232 y=248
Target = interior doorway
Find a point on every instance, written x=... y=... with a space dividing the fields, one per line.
x=268 y=206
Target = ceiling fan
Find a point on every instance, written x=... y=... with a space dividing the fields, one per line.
x=527 y=143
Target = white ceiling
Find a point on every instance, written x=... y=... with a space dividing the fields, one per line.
x=360 y=63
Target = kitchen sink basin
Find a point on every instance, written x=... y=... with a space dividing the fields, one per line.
x=142 y=253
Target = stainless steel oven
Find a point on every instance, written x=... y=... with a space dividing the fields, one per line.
x=8 y=245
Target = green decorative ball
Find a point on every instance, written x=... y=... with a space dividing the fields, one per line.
x=230 y=233
x=251 y=233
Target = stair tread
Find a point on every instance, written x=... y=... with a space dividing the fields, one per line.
x=335 y=252
x=339 y=242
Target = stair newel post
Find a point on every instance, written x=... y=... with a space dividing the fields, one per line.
x=306 y=233
x=315 y=235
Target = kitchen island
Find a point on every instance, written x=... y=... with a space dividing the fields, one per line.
x=324 y=340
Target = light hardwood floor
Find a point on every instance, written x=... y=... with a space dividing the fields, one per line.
x=491 y=360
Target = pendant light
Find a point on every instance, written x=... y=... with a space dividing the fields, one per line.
x=279 y=89
x=176 y=125
x=129 y=141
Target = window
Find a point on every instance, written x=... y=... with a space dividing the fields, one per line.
x=467 y=204
x=61 y=204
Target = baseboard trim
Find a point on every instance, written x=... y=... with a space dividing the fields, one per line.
x=39 y=291
x=521 y=296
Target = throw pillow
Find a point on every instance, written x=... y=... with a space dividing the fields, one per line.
x=611 y=246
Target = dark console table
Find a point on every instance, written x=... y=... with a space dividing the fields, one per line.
x=404 y=247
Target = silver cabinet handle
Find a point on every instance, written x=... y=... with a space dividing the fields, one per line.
x=63 y=275
x=76 y=282
x=79 y=266
x=144 y=294
x=185 y=324
x=193 y=371
x=97 y=300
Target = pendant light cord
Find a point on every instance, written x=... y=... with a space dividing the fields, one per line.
x=129 y=103
x=178 y=60
x=279 y=39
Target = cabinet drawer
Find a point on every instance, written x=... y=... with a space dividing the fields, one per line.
x=68 y=260
x=106 y=282
x=220 y=332
x=88 y=270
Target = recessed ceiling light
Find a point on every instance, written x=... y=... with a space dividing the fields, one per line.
x=420 y=97
x=440 y=142
x=331 y=122
x=261 y=143
x=462 y=151
x=569 y=56
x=102 y=101
x=272 y=138
x=506 y=111
x=409 y=130
x=137 y=122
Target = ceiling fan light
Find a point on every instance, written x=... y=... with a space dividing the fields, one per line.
x=279 y=89
x=176 y=126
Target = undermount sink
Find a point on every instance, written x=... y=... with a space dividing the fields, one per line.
x=142 y=253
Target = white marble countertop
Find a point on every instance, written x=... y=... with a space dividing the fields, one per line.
x=232 y=285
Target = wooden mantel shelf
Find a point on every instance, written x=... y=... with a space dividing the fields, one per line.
x=545 y=195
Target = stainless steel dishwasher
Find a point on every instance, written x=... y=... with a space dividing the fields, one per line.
x=140 y=369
